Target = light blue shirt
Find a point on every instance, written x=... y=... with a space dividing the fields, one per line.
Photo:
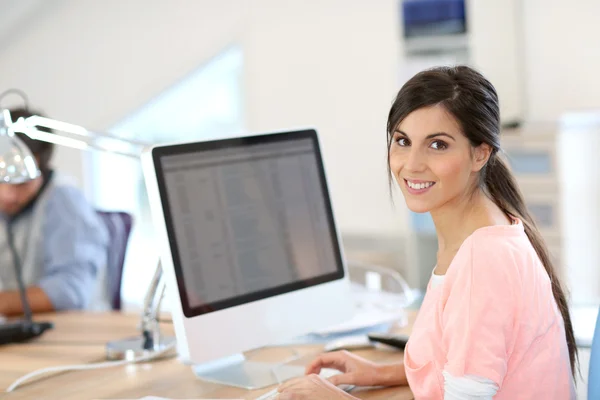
x=62 y=244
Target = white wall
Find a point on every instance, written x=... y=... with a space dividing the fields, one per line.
x=563 y=56
x=335 y=65
x=331 y=64
x=495 y=48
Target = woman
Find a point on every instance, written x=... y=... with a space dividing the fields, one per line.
x=494 y=322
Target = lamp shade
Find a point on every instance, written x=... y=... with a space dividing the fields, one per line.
x=17 y=164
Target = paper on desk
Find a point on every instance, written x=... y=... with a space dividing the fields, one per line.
x=372 y=308
x=374 y=312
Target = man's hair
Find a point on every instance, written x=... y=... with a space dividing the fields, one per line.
x=41 y=150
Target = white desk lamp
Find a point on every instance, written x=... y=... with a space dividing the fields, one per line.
x=17 y=165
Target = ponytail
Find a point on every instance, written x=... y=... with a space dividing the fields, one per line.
x=504 y=191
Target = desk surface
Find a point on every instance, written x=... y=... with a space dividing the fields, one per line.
x=79 y=338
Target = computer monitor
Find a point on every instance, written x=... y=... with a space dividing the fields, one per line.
x=248 y=242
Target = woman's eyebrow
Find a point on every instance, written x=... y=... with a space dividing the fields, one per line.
x=440 y=134
x=431 y=136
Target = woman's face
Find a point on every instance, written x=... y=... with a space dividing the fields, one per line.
x=432 y=161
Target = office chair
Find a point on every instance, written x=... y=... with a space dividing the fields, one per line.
x=594 y=375
x=119 y=225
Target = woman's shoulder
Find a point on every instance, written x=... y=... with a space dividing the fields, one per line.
x=495 y=251
x=502 y=240
x=497 y=240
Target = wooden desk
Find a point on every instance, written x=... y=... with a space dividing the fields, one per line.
x=79 y=338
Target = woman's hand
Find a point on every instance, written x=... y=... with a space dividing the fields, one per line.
x=357 y=371
x=313 y=387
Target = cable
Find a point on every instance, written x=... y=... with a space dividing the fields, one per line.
x=19 y=93
x=82 y=367
x=18 y=273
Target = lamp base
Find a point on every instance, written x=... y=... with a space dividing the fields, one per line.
x=133 y=348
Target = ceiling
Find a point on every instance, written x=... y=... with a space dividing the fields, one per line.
x=14 y=15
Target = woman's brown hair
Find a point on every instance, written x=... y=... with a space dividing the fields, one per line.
x=473 y=101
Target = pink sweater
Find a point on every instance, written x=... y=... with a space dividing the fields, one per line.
x=494 y=317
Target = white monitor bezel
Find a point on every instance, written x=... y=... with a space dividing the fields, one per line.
x=264 y=320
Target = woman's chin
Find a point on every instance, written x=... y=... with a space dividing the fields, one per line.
x=417 y=204
x=418 y=207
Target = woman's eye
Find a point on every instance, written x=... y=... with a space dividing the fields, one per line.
x=439 y=145
x=402 y=141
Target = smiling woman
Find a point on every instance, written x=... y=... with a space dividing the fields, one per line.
x=494 y=322
x=443 y=145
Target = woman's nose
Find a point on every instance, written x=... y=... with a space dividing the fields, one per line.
x=416 y=161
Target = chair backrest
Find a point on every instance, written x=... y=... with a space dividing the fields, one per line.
x=594 y=375
x=118 y=224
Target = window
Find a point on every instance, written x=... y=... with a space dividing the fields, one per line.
x=206 y=104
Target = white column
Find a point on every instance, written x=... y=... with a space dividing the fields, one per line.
x=579 y=171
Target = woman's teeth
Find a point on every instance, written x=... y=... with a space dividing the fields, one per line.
x=419 y=185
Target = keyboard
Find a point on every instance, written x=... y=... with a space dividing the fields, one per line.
x=325 y=373
x=20 y=331
x=398 y=341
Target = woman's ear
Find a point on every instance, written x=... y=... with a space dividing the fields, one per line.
x=481 y=155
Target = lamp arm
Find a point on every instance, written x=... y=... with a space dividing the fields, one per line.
x=78 y=137
x=148 y=312
x=151 y=309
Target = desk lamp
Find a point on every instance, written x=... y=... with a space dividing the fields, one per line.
x=17 y=165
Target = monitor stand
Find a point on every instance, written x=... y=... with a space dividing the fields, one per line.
x=237 y=371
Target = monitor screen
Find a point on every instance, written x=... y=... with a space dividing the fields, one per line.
x=247 y=218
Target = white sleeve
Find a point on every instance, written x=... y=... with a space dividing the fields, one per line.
x=468 y=387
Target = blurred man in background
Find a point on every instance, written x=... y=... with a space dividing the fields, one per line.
x=50 y=230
